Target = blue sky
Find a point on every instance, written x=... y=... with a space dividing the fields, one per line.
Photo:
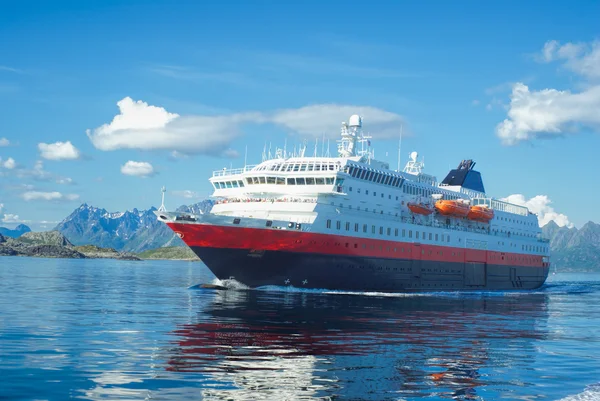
x=208 y=79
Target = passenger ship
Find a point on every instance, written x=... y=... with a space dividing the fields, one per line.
x=351 y=223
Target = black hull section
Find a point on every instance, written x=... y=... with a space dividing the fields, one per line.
x=353 y=273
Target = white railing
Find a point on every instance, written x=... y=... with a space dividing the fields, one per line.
x=501 y=206
x=226 y=172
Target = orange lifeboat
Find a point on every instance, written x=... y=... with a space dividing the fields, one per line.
x=452 y=208
x=481 y=213
x=420 y=208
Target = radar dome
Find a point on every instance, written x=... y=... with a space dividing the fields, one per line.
x=355 y=121
x=413 y=156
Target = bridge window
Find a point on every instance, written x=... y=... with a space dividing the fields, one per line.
x=380 y=230
x=300 y=181
x=279 y=181
x=291 y=181
x=347 y=226
x=338 y=224
x=364 y=228
x=389 y=231
x=328 y=223
x=320 y=181
x=270 y=180
x=329 y=180
x=310 y=181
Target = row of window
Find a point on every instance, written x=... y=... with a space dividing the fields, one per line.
x=291 y=180
x=229 y=184
x=388 y=231
x=374 y=193
x=534 y=248
x=306 y=166
x=378 y=177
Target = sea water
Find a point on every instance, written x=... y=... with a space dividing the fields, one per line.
x=106 y=329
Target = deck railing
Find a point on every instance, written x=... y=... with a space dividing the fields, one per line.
x=226 y=172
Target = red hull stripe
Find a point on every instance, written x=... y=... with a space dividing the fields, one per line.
x=201 y=235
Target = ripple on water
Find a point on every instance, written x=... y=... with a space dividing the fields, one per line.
x=100 y=329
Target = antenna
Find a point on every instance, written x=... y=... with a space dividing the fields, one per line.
x=316 y=145
x=327 y=155
x=246 y=158
x=162 y=207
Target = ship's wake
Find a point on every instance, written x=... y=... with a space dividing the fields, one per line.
x=554 y=288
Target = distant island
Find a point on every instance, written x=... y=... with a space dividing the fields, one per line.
x=52 y=244
x=91 y=232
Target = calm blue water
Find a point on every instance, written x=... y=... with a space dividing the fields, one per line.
x=104 y=329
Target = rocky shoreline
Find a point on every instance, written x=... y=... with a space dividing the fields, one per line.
x=53 y=244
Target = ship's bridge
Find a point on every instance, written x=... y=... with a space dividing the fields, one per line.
x=292 y=176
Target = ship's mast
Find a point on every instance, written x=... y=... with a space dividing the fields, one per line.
x=162 y=207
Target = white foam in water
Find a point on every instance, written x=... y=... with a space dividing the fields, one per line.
x=230 y=284
x=591 y=393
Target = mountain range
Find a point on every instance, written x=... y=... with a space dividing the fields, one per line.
x=131 y=231
x=574 y=248
x=16 y=232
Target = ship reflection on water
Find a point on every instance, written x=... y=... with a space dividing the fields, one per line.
x=299 y=345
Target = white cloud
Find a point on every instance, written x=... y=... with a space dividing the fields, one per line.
x=48 y=196
x=548 y=113
x=8 y=163
x=140 y=169
x=325 y=119
x=186 y=194
x=1 y=207
x=13 y=218
x=581 y=58
x=4 y=142
x=64 y=181
x=540 y=205
x=59 y=151
x=146 y=127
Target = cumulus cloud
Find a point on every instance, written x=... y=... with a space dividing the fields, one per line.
x=8 y=163
x=12 y=218
x=4 y=142
x=580 y=58
x=549 y=113
x=540 y=205
x=59 y=151
x=139 y=169
x=142 y=126
x=48 y=196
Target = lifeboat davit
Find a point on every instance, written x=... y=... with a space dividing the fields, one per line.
x=480 y=213
x=452 y=208
x=420 y=208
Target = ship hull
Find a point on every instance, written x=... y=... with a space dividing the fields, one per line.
x=350 y=273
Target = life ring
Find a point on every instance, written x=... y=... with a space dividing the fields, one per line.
x=180 y=235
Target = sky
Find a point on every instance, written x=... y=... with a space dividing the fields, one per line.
x=104 y=102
